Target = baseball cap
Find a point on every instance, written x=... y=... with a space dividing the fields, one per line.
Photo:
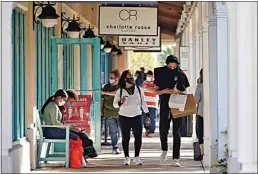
x=172 y=59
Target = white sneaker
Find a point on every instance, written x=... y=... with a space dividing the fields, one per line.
x=176 y=163
x=163 y=156
x=116 y=152
x=137 y=161
x=84 y=163
x=127 y=161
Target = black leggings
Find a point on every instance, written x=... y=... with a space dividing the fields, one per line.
x=126 y=124
x=199 y=129
x=164 y=126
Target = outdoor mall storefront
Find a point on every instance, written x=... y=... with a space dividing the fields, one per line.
x=220 y=41
x=37 y=72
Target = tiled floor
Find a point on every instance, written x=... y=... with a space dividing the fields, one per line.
x=106 y=162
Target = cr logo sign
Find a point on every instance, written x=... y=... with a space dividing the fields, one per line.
x=127 y=14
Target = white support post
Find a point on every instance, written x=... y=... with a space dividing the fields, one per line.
x=190 y=48
x=210 y=89
x=206 y=105
x=192 y=59
x=6 y=86
x=200 y=37
x=197 y=45
x=222 y=81
x=247 y=85
x=233 y=164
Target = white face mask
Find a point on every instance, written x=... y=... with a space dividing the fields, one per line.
x=61 y=103
x=111 y=81
x=148 y=79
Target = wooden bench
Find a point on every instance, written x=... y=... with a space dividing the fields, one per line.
x=51 y=157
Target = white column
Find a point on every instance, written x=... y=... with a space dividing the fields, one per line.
x=233 y=164
x=206 y=97
x=177 y=47
x=195 y=60
x=200 y=37
x=197 y=45
x=247 y=85
x=192 y=80
x=210 y=88
x=182 y=40
x=222 y=70
x=6 y=86
x=191 y=56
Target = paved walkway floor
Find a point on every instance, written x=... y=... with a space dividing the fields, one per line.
x=106 y=162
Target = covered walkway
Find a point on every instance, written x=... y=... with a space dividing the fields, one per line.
x=218 y=37
x=150 y=155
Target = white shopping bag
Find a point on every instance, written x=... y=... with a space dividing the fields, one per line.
x=177 y=101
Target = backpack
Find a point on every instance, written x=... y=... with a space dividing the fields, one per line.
x=139 y=92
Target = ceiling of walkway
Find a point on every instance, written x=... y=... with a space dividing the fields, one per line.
x=169 y=15
x=169 y=12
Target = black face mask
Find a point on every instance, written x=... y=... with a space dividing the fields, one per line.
x=130 y=80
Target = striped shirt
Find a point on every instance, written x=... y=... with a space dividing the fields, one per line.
x=150 y=97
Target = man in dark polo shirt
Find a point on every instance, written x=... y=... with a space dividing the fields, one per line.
x=170 y=79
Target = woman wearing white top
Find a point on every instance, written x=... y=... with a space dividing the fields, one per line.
x=130 y=101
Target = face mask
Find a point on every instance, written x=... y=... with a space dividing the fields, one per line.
x=111 y=81
x=61 y=103
x=172 y=68
x=130 y=80
x=148 y=79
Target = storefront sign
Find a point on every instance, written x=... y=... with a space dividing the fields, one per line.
x=143 y=49
x=79 y=113
x=140 y=41
x=128 y=21
x=184 y=58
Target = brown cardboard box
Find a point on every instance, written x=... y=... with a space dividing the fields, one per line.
x=190 y=108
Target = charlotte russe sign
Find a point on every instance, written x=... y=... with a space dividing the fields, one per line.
x=128 y=21
x=139 y=41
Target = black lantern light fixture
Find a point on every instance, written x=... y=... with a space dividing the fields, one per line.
x=73 y=28
x=48 y=14
x=114 y=50
x=107 y=47
x=119 y=53
x=102 y=43
x=89 y=33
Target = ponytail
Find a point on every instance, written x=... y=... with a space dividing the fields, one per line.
x=58 y=93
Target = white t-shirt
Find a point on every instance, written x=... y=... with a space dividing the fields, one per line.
x=133 y=105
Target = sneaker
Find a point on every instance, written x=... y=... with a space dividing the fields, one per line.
x=84 y=163
x=150 y=135
x=176 y=163
x=127 y=161
x=146 y=133
x=163 y=156
x=137 y=161
x=116 y=152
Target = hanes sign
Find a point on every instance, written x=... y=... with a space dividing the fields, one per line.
x=128 y=21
